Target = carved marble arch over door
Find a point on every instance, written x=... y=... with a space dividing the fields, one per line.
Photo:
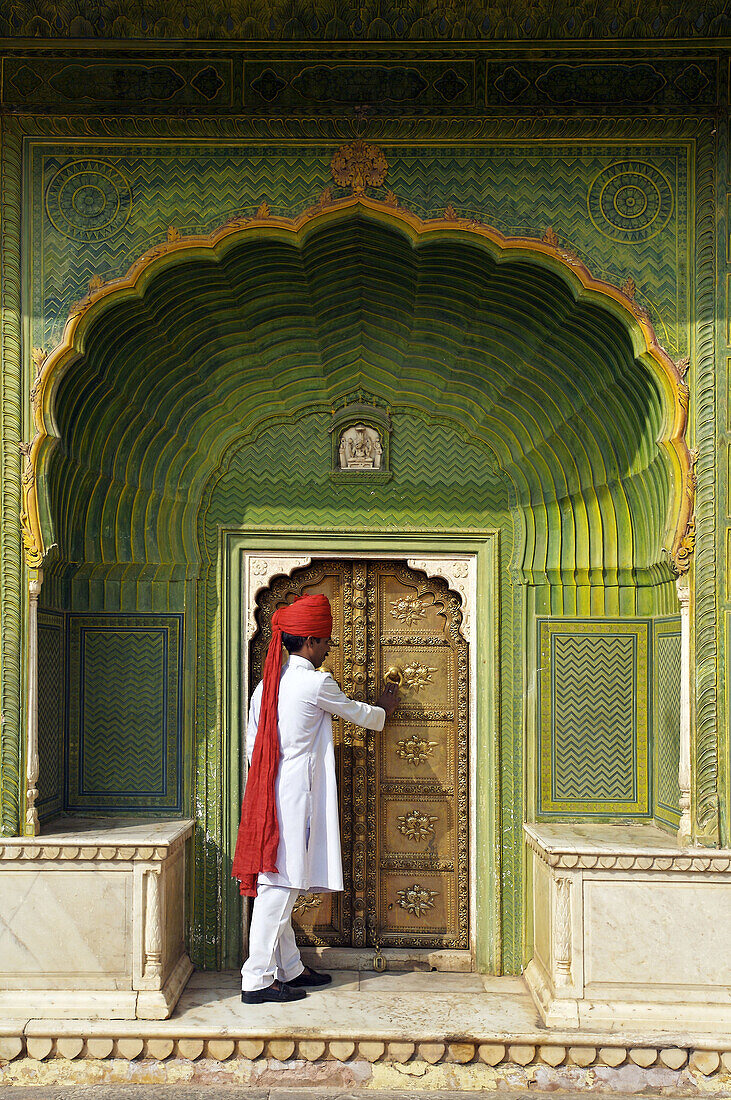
x=404 y=793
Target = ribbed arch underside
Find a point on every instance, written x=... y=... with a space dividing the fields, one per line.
x=218 y=347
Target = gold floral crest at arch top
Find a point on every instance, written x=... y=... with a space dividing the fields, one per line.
x=359 y=166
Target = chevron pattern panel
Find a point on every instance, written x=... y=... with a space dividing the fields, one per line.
x=666 y=718
x=51 y=712
x=519 y=194
x=125 y=712
x=594 y=717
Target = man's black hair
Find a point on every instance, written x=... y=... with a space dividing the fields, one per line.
x=293 y=643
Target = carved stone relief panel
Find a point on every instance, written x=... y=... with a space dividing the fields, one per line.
x=259 y=573
x=360 y=448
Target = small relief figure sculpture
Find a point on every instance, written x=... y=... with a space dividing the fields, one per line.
x=360 y=448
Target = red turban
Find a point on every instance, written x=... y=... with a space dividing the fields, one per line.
x=258 y=838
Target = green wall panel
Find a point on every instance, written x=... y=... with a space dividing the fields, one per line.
x=500 y=419
x=206 y=405
x=666 y=718
x=125 y=733
x=51 y=711
x=594 y=718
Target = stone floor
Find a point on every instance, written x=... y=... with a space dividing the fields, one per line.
x=367 y=1031
x=406 y=1005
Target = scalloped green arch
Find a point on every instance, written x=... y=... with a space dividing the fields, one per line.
x=206 y=339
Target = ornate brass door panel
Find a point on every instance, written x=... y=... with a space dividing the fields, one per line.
x=403 y=792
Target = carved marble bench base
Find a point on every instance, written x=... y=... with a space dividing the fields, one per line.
x=629 y=929
x=92 y=920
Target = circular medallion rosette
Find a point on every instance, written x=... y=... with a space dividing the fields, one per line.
x=359 y=166
x=88 y=200
x=630 y=201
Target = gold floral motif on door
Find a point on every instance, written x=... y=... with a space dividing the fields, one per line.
x=403 y=792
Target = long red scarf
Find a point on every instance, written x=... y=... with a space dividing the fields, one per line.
x=258 y=836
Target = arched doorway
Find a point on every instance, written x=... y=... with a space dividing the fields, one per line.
x=405 y=794
x=194 y=404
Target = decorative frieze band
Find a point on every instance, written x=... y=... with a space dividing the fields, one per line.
x=702 y=860
x=106 y=852
x=699 y=1061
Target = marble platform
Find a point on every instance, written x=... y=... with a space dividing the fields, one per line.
x=627 y=926
x=92 y=919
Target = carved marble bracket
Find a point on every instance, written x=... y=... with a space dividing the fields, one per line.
x=562 y=931
x=259 y=573
x=153 y=928
x=460 y=575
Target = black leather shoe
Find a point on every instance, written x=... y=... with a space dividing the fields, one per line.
x=277 y=992
x=309 y=977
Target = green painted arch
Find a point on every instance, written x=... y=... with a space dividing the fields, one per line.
x=201 y=345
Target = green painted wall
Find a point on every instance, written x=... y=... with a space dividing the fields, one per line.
x=224 y=367
x=494 y=376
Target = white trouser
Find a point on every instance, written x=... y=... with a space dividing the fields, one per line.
x=273 y=952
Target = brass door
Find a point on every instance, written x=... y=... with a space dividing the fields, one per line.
x=403 y=792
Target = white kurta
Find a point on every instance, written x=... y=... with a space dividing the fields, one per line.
x=309 y=856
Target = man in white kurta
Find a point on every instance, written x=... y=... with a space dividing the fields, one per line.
x=309 y=856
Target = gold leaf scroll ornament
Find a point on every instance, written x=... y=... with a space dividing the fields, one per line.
x=686 y=545
x=359 y=166
x=32 y=540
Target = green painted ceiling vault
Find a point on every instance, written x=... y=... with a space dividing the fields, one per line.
x=169 y=381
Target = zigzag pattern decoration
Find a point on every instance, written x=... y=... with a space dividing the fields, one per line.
x=594 y=718
x=442 y=479
x=523 y=195
x=192 y=193
x=666 y=713
x=124 y=731
x=515 y=193
x=51 y=712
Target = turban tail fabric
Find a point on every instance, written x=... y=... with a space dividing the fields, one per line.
x=258 y=836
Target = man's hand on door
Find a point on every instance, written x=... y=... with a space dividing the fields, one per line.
x=389 y=699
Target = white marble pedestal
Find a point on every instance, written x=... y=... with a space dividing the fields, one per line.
x=628 y=928
x=92 y=919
